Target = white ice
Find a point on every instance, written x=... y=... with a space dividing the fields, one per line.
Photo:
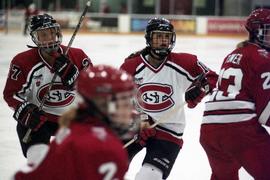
x=191 y=164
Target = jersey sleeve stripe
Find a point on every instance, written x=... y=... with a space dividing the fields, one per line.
x=265 y=115
x=139 y=68
x=232 y=118
x=228 y=111
x=229 y=105
x=180 y=70
x=28 y=82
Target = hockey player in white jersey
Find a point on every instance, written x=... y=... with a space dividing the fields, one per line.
x=162 y=77
x=29 y=78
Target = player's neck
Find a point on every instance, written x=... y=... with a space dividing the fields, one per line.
x=155 y=62
x=49 y=58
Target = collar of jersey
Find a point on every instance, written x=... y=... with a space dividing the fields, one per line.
x=145 y=61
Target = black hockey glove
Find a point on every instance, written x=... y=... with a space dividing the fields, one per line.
x=196 y=91
x=30 y=116
x=66 y=70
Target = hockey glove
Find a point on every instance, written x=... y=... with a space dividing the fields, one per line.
x=66 y=70
x=145 y=134
x=196 y=91
x=29 y=116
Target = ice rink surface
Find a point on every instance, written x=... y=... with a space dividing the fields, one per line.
x=191 y=164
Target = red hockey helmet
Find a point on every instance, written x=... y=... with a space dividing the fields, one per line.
x=103 y=80
x=109 y=92
x=258 y=26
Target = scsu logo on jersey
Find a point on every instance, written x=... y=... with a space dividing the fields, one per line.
x=57 y=96
x=155 y=97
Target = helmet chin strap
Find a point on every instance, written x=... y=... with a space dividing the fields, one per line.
x=158 y=54
x=259 y=41
x=51 y=49
x=267 y=48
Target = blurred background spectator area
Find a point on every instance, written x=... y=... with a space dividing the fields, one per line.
x=125 y=16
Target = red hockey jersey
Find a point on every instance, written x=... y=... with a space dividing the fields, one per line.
x=243 y=88
x=86 y=151
x=29 y=78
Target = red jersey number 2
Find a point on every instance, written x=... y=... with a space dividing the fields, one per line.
x=108 y=170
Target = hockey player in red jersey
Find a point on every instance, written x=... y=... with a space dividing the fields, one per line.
x=162 y=78
x=232 y=133
x=89 y=146
x=30 y=11
x=30 y=76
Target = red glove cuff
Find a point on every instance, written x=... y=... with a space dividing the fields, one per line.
x=145 y=134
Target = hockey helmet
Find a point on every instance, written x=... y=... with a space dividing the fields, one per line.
x=258 y=26
x=103 y=80
x=112 y=87
x=159 y=25
x=42 y=22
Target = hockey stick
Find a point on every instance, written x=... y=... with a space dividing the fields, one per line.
x=135 y=138
x=206 y=90
x=26 y=137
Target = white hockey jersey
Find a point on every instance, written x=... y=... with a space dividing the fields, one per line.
x=161 y=90
x=30 y=77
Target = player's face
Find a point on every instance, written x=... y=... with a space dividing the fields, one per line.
x=267 y=36
x=47 y=36
x=161 y=39
x=123 y=108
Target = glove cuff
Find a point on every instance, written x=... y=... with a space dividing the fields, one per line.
x=19 y=111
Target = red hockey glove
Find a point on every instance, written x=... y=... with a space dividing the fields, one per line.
x=145 y=134
x=196 y=91
x=66 y=70
x=29 y=116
